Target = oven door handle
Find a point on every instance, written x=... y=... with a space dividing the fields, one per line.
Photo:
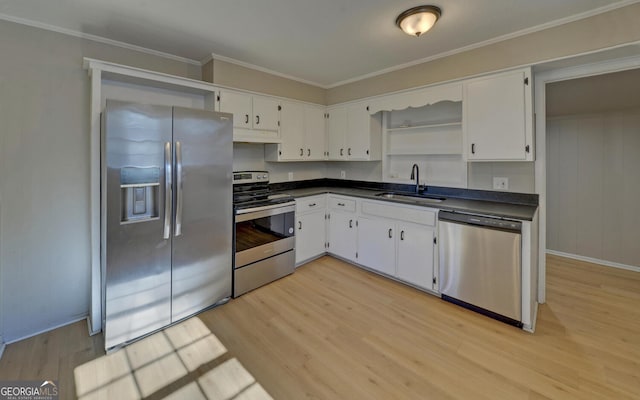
x=264 y=211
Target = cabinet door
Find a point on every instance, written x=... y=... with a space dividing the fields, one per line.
x=376 y=245
x=265 y=113
x=342 y=235
x=292 y=132
x=495 y=117
x=238 y=104
x=315 y=133
x=310 y=236
x=358 y=132
x=416 y=254
x=337 y=133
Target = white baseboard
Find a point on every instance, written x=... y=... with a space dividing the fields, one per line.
x=594 y=260
x=90 y=327
x=46 y=330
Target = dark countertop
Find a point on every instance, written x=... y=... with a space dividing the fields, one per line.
x=500 y=209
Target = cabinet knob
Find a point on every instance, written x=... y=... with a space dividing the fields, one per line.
x=401 y=235
x=299 y=225
x=350 y=223
x=390 y=233
x=257 y=120
x=341 y=152
x=349 y=151
x=301 y=152
x=473 y=148
x=308 y=152
x=246 y=118
x=312 y=205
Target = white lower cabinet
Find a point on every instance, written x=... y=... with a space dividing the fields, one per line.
x=311 y=227
x=343 y=235
x=416 y=255
x=310 y=236
x=376 y=244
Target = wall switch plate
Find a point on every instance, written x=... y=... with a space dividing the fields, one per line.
x=290 y=176
x=500 y=183
x=343 y=174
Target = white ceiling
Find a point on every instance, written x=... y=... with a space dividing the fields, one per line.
x=324 y=42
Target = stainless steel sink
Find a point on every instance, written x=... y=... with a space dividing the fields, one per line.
x=410 y=198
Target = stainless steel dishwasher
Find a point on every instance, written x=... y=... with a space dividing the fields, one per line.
x=481 y=265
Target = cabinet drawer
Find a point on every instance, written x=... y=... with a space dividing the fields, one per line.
x=342 y=204
x=312 y=203
x=417 y=215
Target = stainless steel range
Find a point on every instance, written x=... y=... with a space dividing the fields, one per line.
x=264 y=232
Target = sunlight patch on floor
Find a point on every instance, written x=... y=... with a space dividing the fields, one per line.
x=169 y=357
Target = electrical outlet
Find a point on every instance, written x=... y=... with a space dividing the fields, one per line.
x=500 y=183
x=290 y=176
x=343 y=174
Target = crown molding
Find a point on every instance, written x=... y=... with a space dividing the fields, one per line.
x=96 y=38
x=537 y=28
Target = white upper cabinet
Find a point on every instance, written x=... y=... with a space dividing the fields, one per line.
x=315 y=132
x=255 y=118
x=302 y=131
x=353 y=133
x=498 y=117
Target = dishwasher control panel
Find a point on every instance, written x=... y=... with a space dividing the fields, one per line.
x=481 y=220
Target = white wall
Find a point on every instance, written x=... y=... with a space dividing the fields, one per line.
x=250 y=156
x=521 y=175
x=593 y=185
x=44 y=173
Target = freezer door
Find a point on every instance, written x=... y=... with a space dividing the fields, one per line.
x=202 y=235
x=137 y=266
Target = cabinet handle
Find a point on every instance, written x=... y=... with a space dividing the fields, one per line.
x=257 y=120
x=301 y=152
x=341 y=204
x=341 y=152
x=349 y=151
x=401 y=235
x=312 y=205
x=390 y=233
x=299 y=225
x=308 y=152
x=246 y=118
x=350 y=223
x=473 y=148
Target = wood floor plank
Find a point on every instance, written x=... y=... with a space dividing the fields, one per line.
x=335 y=331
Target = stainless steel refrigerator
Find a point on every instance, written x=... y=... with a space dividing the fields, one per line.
x=167 y=216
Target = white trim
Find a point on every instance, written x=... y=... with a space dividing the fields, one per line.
x=95 y=38
x=95 y=304
x=60 y=325
x=230 y=60
x=144 y=74
x=526 y=31
x=541 y=80
x=532 y=328
x=3 y=345
x=591 y=260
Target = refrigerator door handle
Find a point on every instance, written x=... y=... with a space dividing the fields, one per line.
x=178 y=228
x=167 y=190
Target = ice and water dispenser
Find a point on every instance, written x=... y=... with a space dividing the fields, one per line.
x=140 y=190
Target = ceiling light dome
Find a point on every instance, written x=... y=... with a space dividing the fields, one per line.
x=417 y=20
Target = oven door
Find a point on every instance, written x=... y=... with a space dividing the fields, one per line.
x=264 y=232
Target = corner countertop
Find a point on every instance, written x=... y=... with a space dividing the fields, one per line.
x=496 y=209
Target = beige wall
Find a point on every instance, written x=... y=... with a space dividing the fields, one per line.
x=591 y=34
x=44 y=173
x=236 y=76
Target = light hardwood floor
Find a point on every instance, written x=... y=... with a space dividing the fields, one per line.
x=334 y=331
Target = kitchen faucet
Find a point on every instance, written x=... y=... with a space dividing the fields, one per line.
x=416 y=176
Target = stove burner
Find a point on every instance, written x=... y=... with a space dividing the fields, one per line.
x=251 y=189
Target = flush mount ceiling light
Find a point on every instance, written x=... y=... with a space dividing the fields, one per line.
x=417 y=20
